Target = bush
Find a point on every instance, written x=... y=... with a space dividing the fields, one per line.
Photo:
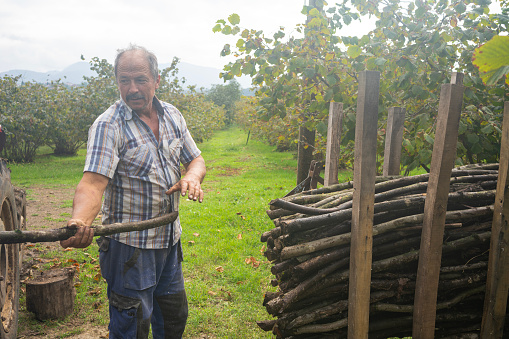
x=23 y=109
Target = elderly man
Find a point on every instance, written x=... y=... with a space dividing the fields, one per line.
x=133 y=156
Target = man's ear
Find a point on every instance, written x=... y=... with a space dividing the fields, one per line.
x=158 y=80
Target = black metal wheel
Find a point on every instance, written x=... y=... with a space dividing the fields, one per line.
x=9 y=258
x=21 y=208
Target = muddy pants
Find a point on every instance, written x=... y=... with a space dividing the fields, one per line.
x=145 y=286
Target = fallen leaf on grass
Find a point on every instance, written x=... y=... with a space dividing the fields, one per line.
x=220 y=269
x=196 y=234
x=94 y=291
x=97 y=277
x=228 y=295
x=191 y=242
x=239 y=236
x=253 y=262
x=59 y=264
x=212 y=293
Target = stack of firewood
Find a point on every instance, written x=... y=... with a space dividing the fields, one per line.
x=310 y=244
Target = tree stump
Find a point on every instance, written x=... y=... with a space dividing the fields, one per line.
x=51 y=294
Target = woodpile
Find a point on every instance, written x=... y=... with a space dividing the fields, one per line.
x=310 y=244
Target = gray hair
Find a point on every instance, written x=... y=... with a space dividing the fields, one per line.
x=151 y=58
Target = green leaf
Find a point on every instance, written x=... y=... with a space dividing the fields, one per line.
x=460 y=7
x=492 y=59
x=216 y=28
x=328 y=95
x=331 y=79
x=321 y=128
x=380 y=61
x=234 y=19
x=226 y=30
x=488 y=129
x=309 y=72
x=429 y=139
x=472 y=138
x=353 y=51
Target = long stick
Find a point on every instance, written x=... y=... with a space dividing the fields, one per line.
x=18 y=236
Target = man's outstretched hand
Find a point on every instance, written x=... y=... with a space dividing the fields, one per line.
x=190 y=185
x=83 y=237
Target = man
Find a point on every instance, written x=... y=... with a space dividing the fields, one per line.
x=133 y=156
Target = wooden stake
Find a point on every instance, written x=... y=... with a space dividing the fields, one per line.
x=333 y=141
x=393 y=140
x=363 y=204
x=435 y=208
x=497 y=283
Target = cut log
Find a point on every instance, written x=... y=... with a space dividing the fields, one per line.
x=51 y=294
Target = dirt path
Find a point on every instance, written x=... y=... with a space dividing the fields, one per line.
x=51 y=208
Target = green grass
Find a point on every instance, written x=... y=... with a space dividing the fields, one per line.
x=220 y=235
x=49 y=170
x=225 y=271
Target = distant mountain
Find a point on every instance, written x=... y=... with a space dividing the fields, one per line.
x=195 y=75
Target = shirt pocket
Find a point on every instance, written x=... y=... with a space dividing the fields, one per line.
x=171 y=152
x=137 y=161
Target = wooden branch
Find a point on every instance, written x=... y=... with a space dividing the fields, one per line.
x=343 y=239
x=443 y=305
x=18 y=236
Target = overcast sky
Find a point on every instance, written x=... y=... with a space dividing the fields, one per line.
x=53 y=34
x=46 y=35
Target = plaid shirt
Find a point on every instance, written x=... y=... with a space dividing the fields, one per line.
x=123 y=148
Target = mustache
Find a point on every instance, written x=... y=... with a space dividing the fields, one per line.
x=134 y=96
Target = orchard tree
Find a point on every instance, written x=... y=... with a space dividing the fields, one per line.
x=202 y=116
x=226 y=96
x=415 y=45
x=24 y=116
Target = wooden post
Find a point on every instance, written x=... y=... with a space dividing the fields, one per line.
x=333 y=141
x=304 y=153
x=430 y=255
x=497 y=282
x=393 y=140
x=363 y=204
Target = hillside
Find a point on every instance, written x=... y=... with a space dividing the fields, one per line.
x=195 y=75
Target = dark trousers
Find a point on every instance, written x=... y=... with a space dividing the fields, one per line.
x=145 y=286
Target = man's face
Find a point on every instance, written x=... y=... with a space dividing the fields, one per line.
x=135 y=81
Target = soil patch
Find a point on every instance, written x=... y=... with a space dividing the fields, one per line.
x=47 y=208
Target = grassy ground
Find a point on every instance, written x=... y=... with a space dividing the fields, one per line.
x=225 y=271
